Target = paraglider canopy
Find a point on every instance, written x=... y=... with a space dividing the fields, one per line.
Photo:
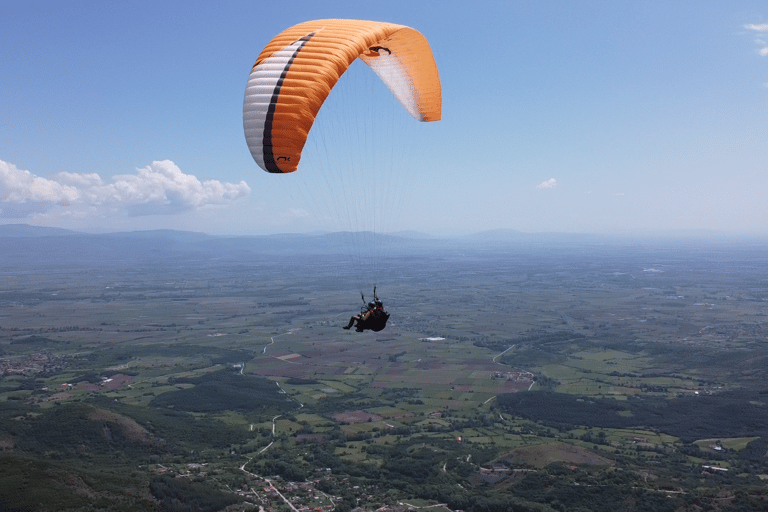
x=296 y=71
x=287 y=87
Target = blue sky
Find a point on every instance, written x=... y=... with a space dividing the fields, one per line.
x=587 y=117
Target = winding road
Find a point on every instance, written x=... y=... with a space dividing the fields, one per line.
x=274 y=433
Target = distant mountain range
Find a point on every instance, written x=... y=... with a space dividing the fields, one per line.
x=25 y=230
x=490 y=238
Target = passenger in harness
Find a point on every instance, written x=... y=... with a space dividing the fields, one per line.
x=372 y=315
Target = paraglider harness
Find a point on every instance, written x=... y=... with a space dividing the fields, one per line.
x=372 y=315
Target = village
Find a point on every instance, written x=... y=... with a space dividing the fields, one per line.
x=32 y=364
x=274 y=493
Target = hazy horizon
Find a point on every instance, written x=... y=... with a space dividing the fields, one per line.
x=20 y=229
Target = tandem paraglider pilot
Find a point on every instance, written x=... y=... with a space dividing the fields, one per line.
x=372 y=315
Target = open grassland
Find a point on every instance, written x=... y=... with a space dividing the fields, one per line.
x=735 y=444
x=543 y=454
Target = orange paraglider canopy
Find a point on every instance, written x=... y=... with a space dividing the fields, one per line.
x=296 y=71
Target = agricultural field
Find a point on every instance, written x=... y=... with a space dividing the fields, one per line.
x=138 y=372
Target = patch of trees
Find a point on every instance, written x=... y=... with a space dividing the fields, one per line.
x=67 y=431
x=546 y=383
x=756 y=450
x=183 y=431
x=397 y=393
x=176 y=495
x=606 y=491
x=418 y=461
x=30 y=384
x=13 y=409
x=225 y=390
x=556 y=488
x=35 y=340
x=67 y=328
x=288 y=470
x=297 y=381
x=30 y=485
x=350 y=401
x=728 y=414
x=623 y=374
x=538 y=338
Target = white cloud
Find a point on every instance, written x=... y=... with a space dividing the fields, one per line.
x=757 y=27
x=550 y=183
x=760 y=28
x=159 y=188
x=18 y=186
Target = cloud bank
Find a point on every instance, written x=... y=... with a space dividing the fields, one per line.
x=550 y=183
x=159 y=188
